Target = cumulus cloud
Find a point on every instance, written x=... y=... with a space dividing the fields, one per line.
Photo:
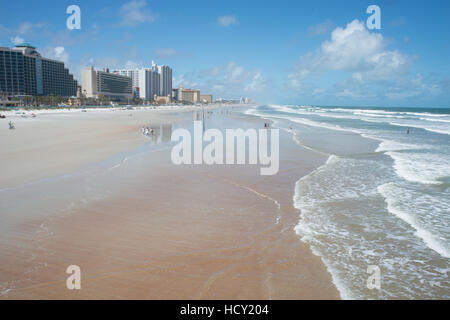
x=17 y=40
x=56 y=53
x=356 y=50
x=226 y=21
x=135 y=12
x=356 y=64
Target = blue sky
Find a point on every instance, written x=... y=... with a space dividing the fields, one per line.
x=299 y=52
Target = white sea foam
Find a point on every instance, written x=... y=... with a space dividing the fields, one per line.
x=347 y=220
x=392 y=145
x=308 y=233
x=393 y=195
x=441 y=130
x=424 y=168
x=435 y=120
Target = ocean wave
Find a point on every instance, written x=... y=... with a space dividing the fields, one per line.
x=308 y=231
x=431 y=129
x=392 y=145
x=393 y=195
x=435 y=120
x=420 y=167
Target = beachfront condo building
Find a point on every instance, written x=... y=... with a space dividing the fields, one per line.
x=132 y=73
x=186 y=95
x=206 y=98
x=24 y=72
x=146 y=81
x=149 y=82
x=165 y=76
x=104 y=83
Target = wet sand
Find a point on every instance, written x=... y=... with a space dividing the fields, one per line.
x=173 y=232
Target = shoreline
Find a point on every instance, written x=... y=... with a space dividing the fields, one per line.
x=205 y=251
x=88 y=137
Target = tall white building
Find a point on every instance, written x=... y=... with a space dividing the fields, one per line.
x=132 y=73
x=165 y=75
x=156 y=80
x=149 y=83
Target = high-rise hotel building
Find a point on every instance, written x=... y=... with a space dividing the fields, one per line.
x=165 y=75
x=146 y=80
x=24 y=72
x=151 y=82
x=110 y=85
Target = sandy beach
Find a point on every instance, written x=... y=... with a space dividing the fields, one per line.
x=88 y=189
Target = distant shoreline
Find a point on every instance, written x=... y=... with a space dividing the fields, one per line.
x=9 y=111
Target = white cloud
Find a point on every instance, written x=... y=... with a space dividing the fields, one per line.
x=57 y=53
x=135 y=12
x=257 y=84
x=233 y=80
x=29 y=27
x=17 y=40
x=233 y=72
x=226 y=21
x=186 y=81
x=352 y=49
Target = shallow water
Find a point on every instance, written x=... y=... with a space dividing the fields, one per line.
x=382 y=198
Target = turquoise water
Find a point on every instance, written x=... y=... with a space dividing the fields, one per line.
x=382 y=198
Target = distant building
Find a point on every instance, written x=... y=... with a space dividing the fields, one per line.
x=165 y=76
x=206 y=98
x=110 y=85
x=175 y=94
x=149 y=82
x=136 y=92
x=132 y=73
x=23 y=71
x=162 y=99
x=188 y=95
x=79 y=92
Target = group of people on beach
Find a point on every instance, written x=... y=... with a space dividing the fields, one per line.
x=266 y=125
x=146 y=131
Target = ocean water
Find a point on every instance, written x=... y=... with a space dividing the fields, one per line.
x=382 y=198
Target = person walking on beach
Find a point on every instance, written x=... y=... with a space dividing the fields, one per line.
x=407 y=131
